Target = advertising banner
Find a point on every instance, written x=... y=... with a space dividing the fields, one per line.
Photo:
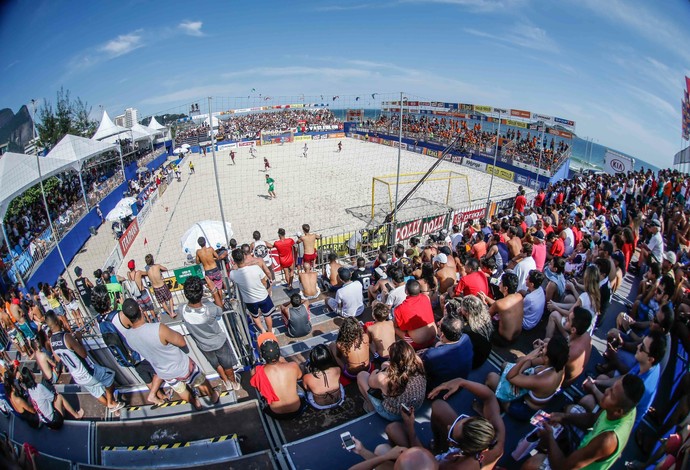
x=457 y=159
x=514 y=123
x=127 y=239
x=520 y=113
x=543 y=117
x=463 y=215
x=567 y=122
x=503 y=111
x=299 y=138
x=375 y=140
x=336 y=135
x=500 y=172
x=227 y=146
x=614 y=163
x=521 y=179
x=475 y=165
x=420 y=227
x=482 y=109
x=144 y=212
x=248 y=143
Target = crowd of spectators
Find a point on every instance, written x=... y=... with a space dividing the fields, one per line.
x=517 y=145
x=548 y=268
x=250 y=126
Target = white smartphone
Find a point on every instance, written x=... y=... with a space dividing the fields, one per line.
x=348 y=442
x=405 y=408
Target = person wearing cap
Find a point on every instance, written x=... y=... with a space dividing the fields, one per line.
x=136 y=289
x=539 y=249
x=668 y=265
x=168 y=353
x=653 y=250
x=276 y=380
x=83 y=286
x=445 y=274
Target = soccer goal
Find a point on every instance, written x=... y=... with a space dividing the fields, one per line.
x=446 y=187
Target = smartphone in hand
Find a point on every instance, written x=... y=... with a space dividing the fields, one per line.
x=348 y=442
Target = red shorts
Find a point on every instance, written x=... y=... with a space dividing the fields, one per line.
x=286 y=263
x=309 y=258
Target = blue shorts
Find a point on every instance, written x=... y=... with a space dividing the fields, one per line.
x=378 y=407
x=264 y=307
x=520 y=410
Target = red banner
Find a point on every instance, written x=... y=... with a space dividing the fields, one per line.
x=520 y=113
x=460 y=217
x=127 y=238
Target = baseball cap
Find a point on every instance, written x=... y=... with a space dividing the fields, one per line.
x=539 y=234
x=77 y=270
x=440 y=258
x=268 y=346
x=670 y=257
x=655 y=223
x=130 y=264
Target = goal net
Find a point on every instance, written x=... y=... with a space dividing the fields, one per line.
x=277 y=137
x=443 y=189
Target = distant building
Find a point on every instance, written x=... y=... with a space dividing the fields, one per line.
x=131 y=117
x=120 y=120
x=32 y=147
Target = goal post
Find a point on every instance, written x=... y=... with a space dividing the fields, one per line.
x=442 y=186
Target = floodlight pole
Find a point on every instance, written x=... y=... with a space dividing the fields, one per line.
x=493 y=170
x=397 y=176
x=215 y=171
x=541 y=151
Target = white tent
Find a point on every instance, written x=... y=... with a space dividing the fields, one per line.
x=19 y=172
x=74 y=150
x=214 y=119
x=107 y=128
x=146 y=130
x=155 y=124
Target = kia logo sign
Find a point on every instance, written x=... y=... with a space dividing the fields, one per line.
x=617 y=165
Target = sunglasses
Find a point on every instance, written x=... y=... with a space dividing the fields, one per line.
x=642 y=348
x=452 y=441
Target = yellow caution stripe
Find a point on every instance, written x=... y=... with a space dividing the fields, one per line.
x=175 y=445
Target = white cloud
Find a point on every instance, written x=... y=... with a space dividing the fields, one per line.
x=481 y=6
x=655 y=103
x=123 y=44
x=645 y=21
x=191 y=28
x=521 y=35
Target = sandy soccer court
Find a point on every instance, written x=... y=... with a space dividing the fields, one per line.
x=316 y=190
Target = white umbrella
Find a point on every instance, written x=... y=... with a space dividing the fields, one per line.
x=121 y=210
x=185 y=146
x=179 y=150
x=211 y=230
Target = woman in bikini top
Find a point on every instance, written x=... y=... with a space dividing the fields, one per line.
x=323 y=378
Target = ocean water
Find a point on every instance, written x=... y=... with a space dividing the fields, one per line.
x=582 y=155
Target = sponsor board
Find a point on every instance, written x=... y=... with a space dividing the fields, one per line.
x=500 y=172
x=337 y=135
x=560 y=133
x=543 y=117
x=457 y=159
x=512 y=122
x=375 y=140
x=432 y=153
x=482 y=109
x=227 y=146
x=501 y=111
x=505 y=204
x=462 y=216
x=521 y=179
x=616 y=163
x=475 y=165
x=144 y=212
x=127 y=239
x=300 y=138
x=248 y=143
x=520 y=113
x=567 y=122
x=420 y=227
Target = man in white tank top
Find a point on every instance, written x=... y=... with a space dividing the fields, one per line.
x=99 y=381
x=167 y=352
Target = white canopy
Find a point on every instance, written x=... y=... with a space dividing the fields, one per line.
x=146 y=130
x=155 y=124
x=19 y=172
x=107 y=128
x=72 y=150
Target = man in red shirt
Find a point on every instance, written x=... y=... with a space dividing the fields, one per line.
x=285 y=256
x=539 y=200
x=557 y=245
x=414 y=318
x=520 y=202
x=473 y=282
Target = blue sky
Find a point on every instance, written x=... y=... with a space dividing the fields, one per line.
x=616 y=67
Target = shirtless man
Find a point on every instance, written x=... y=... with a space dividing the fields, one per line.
x=251 y=260
x=143 y=298
x=160 y=289
x=506 y=312
x=208 y=258
x=330 y=272
x=445 y=275
x=280 y=392
x=514 y=243
x=309 y=289
x=580 y=343
x=309 y=243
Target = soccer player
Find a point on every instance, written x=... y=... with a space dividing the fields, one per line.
x=252 y=151
x=340 y=146
x=232 y=156
x=271 y=188
x=305 y=150
x=266 y=164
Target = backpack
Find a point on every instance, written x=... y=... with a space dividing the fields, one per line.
x=131 y=288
